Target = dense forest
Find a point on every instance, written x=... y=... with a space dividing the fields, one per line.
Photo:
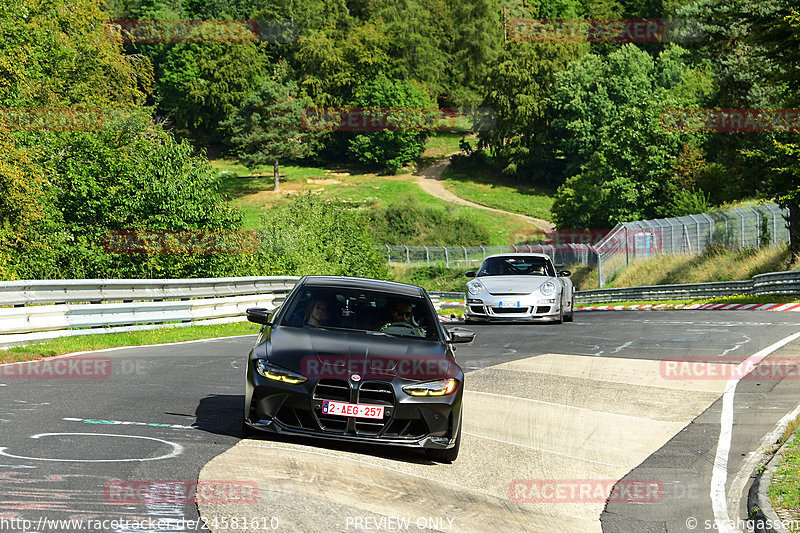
x=145 y=103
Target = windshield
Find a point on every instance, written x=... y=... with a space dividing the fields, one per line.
x=361 y=310
x=516 y=266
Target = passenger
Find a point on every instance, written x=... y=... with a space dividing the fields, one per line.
x=316 y=313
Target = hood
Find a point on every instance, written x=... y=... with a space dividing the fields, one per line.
x=500 y=285
x=320 y=353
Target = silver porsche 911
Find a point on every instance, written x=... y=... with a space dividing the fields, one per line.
x=519 y=286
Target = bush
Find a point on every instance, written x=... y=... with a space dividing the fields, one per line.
x=406 y=221
x=314 y=236
x=130 y=176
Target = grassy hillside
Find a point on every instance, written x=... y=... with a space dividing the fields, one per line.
x=715 y=264
x=491 y=189
x=253 y=193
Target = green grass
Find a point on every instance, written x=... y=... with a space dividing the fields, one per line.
x=493 y=190
x=713 y=265
x=784 y=490
x=82 y=343
x=253 y=192
x=433 y=278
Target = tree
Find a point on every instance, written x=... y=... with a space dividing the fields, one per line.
x=56 y=54
x=517 y=89
x=331 y=64
x=405 y=106
x=132 y=176
x=777 y=32
x=269 y=126
x=620 y=159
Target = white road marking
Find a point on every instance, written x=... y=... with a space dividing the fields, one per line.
x=736 y=346
x=622 y=347
x=177 y=449
x=719 y=475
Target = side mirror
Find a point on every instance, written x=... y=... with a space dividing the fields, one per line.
x=470 y=274
x=259 y=315
x=460 y=335
x=564 y=273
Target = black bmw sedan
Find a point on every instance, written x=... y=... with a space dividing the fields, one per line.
x=357 y=360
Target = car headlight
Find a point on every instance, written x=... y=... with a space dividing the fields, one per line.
x=475 y=287
x=547 y=288
x=270 y=371
x=432 y=388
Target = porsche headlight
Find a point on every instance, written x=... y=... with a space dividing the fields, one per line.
x=432 y=388
x=547 y=288
x=270 y=371
x=475 y=287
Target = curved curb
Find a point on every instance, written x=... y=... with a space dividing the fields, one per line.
x=760 y=510
x=693 y=307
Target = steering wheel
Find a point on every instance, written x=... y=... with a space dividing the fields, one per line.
x=403 y=327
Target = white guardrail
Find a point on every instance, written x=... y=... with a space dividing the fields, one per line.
x=37 y=310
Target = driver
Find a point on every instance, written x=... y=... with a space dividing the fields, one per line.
x=401 y=314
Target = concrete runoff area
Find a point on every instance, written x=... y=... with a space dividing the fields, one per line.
x=550 y=418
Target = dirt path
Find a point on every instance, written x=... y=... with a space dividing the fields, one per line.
x=429 y=178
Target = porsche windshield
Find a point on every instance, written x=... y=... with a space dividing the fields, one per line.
x=361 y=310
x=516 y=265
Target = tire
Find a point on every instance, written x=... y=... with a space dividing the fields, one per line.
x=571 y=316
x=445 y=456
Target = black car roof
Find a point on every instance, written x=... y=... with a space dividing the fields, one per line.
x=391 y=287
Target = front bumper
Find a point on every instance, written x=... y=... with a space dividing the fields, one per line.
x=418 y=422
x=512 y=308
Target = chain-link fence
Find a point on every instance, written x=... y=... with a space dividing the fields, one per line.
x=468 y=256
x=741 y=227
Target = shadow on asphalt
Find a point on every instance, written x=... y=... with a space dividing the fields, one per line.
x=222 y=415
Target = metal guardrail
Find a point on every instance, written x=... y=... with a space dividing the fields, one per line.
x=771 y=283
x=29 y=292
x=37 y=309
x=666 y=292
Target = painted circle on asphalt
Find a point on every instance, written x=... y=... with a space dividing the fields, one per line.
x=177 y=449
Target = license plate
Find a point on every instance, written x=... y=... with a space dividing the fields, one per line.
x=509 y=303
x=358 y=410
